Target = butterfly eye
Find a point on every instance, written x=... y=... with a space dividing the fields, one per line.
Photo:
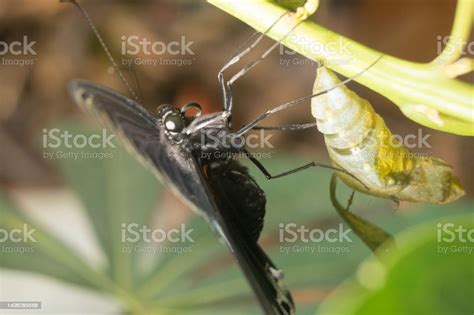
x=174 y=122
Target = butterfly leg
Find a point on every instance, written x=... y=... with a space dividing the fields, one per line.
x=301 y=14
x=295 y=127
x=236 y=56
x=267 y=174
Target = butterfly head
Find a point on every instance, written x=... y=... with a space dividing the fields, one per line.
x=175 y=120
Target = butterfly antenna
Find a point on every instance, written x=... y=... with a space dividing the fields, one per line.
x=132 y=76
x=104 y=46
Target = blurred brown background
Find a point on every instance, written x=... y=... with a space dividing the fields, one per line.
x=35 y=97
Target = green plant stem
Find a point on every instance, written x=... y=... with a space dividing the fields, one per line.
x=459 y=34
x=422 y=91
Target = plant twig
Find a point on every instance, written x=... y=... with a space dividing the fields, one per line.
x=459 y=34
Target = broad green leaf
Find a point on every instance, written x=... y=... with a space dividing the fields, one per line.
x=430 y=273
x=35 y=250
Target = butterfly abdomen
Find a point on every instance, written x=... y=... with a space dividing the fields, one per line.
x=241 y=193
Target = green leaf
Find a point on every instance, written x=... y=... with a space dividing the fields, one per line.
x=43 y=253
x=419 y=278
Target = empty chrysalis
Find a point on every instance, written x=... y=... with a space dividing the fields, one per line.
x=359 y=142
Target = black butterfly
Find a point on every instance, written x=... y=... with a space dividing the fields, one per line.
x=190 y=155
x=181 y=151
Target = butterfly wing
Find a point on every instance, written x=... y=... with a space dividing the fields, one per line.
x=241 y=205
x=176 y=166
x=140 y=133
